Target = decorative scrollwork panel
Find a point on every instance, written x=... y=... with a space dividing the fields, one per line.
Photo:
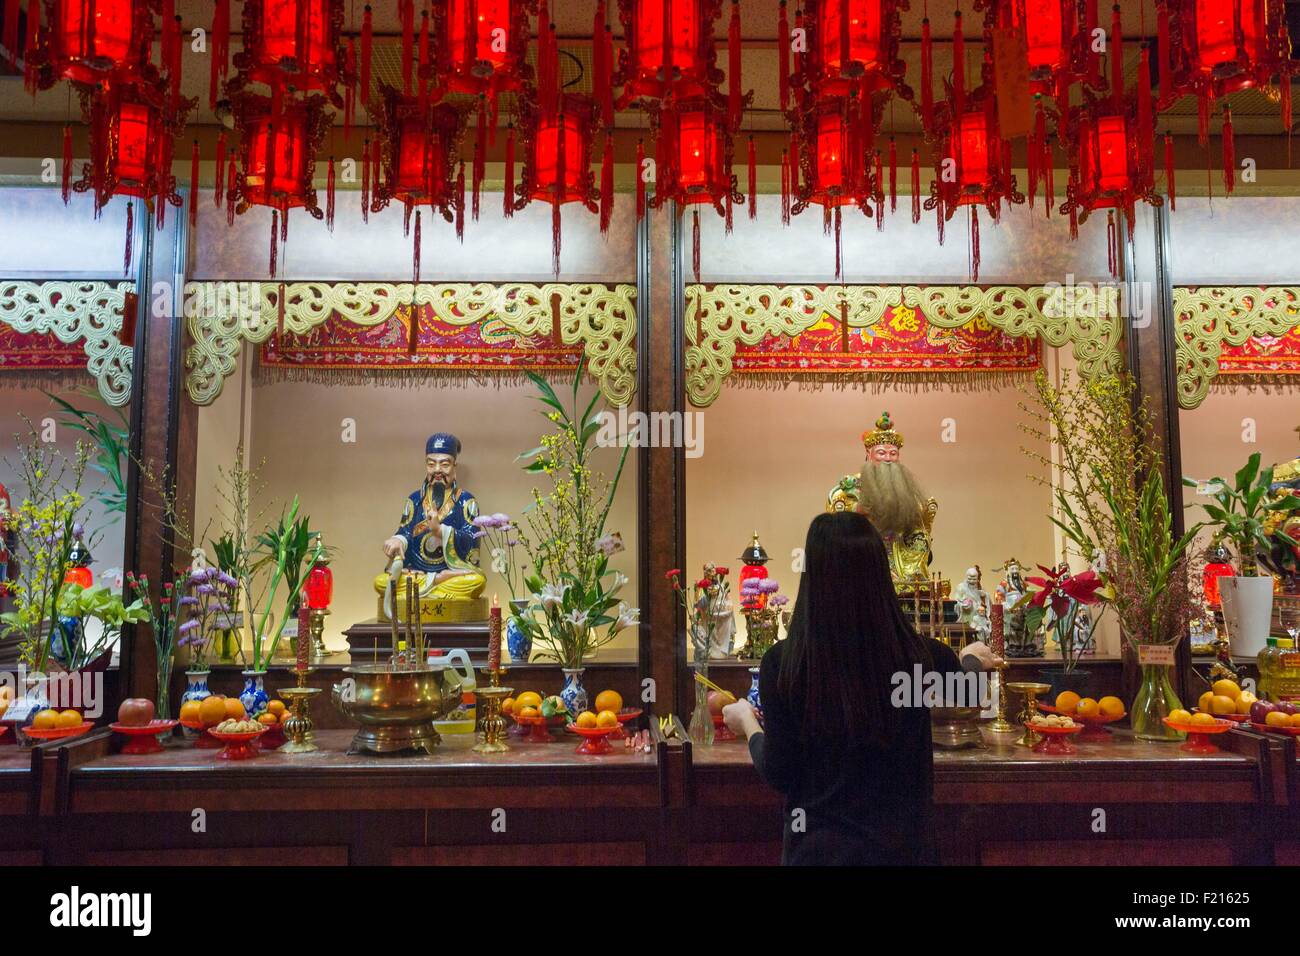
x=1207 y=318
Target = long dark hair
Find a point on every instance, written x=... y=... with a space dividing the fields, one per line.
x=848 y=634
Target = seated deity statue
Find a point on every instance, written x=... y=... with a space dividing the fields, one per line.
x=887 y=492
x=436 y=540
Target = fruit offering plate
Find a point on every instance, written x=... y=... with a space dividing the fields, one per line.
x=238 y=746
x=1094 y=728
x=274 y=737
x=1198 y=735
x=624 y=715
x=1235 y=718
x=537 y=729
x=59 y=733
x=1272 y=729
x=1055 y=739
x=143 y=737
x=205 y=740
x=723 y=731
x=595 y=740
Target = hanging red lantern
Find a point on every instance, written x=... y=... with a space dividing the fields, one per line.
x=294 y=43
x=91 y=41
x=1213 y=48
x=670 y=49
x=419 y=153
x=702 y=155
x=482 y=46
x=853 y=44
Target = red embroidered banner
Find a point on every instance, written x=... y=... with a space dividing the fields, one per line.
x=38 y=352
x=1262 y=355
x=481 y=347
x=902 y=342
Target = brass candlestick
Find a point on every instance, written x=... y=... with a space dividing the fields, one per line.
x=316 y=625
x=494 y=725
x=298 y=726
x=1031 y=690
x=1000 y=724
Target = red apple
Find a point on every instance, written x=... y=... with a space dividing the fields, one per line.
x=1260 y=709
x=717 y=701
x=135 y=712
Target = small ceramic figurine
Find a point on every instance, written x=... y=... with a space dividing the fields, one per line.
x=1019 y=642
x=716 y=602
x=974 y=609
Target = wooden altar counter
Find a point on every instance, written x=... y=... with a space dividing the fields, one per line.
x=19 y=790
x=1007 y=805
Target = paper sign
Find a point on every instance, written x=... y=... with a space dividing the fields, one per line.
x=1011 y=73
x=1155 y=654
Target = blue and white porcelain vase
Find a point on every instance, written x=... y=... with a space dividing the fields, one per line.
x=518 y=641
x=254 y=698
x=573 y=693
x=752 y=696
x=196 y=689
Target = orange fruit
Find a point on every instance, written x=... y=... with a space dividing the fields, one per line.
x=1293 y=720
x=234 y=708
x=607 y=718
x=276 y=707
x=212 y=710
x=529 y=698
x=609 y=700
x=1244 y=702
x=70 y=718
x=1201 y=719
x=529 y=711
x=190 y=711
x=1222 y=704
x=1112 y=707
x=45 y=720
x=1227 y=688
x=268 y=718
x=1206 y=702
x=1274 y=718
x=588 y=719
x=1067 y=701
x=1087 y=708
x=508 y=705
x=1180 y=716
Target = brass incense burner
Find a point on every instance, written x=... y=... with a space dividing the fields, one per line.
x=395 y=708
x=955 y=728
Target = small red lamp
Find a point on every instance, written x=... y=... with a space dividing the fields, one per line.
x=317 y=594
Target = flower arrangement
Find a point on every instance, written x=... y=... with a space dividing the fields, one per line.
x=1245 y=512
x=763 y=618
x=572 y=591
x=701 y=604
x=1057 y=601
x=503 y=540
x=161 y=617
x=208 y=603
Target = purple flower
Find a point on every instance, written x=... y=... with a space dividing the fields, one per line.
x=226 y=579
x=768 y=586
x=501 y=519
x=78 y=529
x=205 y=589
x=750 y=587
x=512 y=542
x=190 y=625
x=197 y=575
x=779 y=600
x=188 y=600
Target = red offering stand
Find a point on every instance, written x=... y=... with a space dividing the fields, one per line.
x=1269 y=729
x=624 y=715
x=238 y=746
x=723 y=731
x=59 y=733
x=205 y=740
x=595 y=740
x=1055 y=739
x=537 y=732
x=1094 y=728
x=1198 y=735
x=143 y=738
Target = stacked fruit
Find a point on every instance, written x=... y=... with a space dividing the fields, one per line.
x=212 y=710
x=1070 y=704
x=1226 y=699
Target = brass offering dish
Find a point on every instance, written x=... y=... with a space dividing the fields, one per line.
x=395 y=708
x=955 y=728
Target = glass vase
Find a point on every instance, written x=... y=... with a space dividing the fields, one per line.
x=701 y=728
x=1155 y=699
x=163 y=703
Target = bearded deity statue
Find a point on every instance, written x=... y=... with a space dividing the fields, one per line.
x=437 y=540
x=974 y=608
x=1281 y=560
x=887 y=492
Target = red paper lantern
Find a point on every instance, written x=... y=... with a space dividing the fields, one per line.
x=318 y=589
x=1047 y=30
x=835 y=167
x=558 y=165
x=277 y=152
x=852 y=44
x=482 y=46
x=293 y=43
x=419 y=153
x=700 y=148
x=89 y=41
x=670 y=47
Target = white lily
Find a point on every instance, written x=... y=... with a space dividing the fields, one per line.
x=577 y=618
x=627 y=616
x=620 y=582
x=552 y=595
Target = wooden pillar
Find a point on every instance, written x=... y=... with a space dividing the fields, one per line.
x=164 y=431
x=1150 y=339
x=661 y=472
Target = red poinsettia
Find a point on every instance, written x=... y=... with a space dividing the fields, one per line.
x=1060 y=587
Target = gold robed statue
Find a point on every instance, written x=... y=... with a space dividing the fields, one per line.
x=887 y=492
x=437 y=540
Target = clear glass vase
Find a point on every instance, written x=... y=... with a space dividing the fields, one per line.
x=701 y=729
x=163 y=705
x=1154 y=701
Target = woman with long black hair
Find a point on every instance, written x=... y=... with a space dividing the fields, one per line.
x=856 y=770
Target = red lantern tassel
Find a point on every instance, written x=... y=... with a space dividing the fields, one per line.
x=958 y=64
x=916 y=186
x=1116 y=53
x=367 y=42
x=1285 y=82
x=31 y=80
x=130 y=237
x=350 y=94
x=1146 y=119
x=939 y=221
x=460 y=203
x=599 y=68
x=408 y=207
x=640 y=180
x=1169 y=172
x=1090 y=22
x=927 y=75
x=974 y=244
x=172 y=51
x=11 y=33
x=415 y=265
x=893 y=176
x=695 y=244
x=783 y=56
x=470 y=53
x=1203 y=118
x=752 y=184
x=284 y=225
x=365 y=181
x=1049 y=176
x=194 y=185
x=844 y=324
x=878 y=175
x=1163 y=55
x=733 y=65
x=508 y=194
x=220 y=52
x=1112 y=244
x=839 y=243
x=480 y=153
x=219 y=180
x=607 y=184
x=130 y=314
x=785 y=190
x=1229 y=153
x=406 y=11
x=275 y=229
x=1037 y=148
x=232 y=182
x=67 y=163
x=425 y=64
x=329 y=196
x=279 y=311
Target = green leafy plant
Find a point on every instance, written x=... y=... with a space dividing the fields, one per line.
x=1241 y=511
x=283 y=551
x=109 y=439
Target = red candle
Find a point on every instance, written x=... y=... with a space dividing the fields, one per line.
x=303 y=642
x=998 y=637
x=494 y=635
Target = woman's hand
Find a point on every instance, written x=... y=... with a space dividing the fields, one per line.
x=983 y=653
x=741 y=719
